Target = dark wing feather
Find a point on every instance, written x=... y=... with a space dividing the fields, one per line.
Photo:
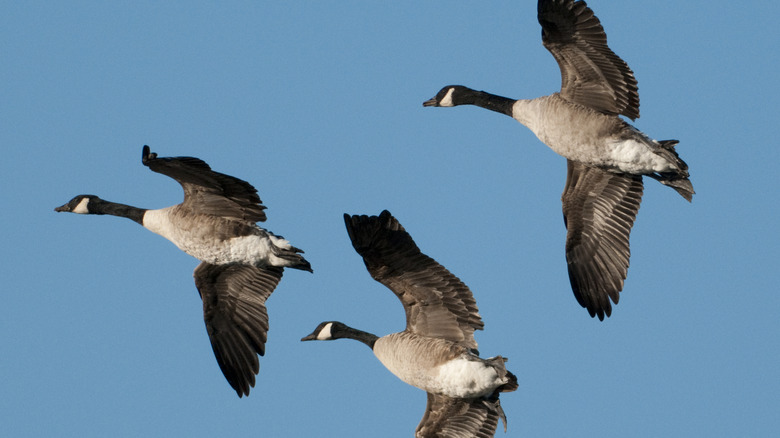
x=437 y=303
x=236 y=318
x=599 y=208
x=206 y=191
x=591 y=73
x=447 y=417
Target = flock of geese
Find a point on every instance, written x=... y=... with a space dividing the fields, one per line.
x=242 y=263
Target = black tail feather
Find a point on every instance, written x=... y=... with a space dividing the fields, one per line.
x=677 y=180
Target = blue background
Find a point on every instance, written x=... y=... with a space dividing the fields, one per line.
x=318 y=105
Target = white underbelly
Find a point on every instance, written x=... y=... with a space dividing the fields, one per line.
x=199 y=242
x=245 y=250
x=635 y=157
x=629 y=156
x=465 y=378
x=583 y=135
x=460 y=377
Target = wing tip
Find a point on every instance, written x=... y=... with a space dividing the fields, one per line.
x=362 y=229
x=147 y=155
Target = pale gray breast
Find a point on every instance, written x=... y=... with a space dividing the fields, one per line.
x=413 y=358
x=205 y=237
x=572 y=131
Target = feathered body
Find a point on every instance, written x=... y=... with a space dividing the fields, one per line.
x=587 y=136
x=241 y=263
x=437 y=366
x=219 y=240
x=606 y=156
x=437 y=351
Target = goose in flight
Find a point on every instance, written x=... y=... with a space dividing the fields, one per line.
x=606 y=156
x=241 y=263
x=437 y=352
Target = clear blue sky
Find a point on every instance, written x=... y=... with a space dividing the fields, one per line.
x=320 y=107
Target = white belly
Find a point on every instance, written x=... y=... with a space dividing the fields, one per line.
x=586 y=136
x=626 y=155
x=635 y=157
x=200 y=242
x=246 y=250
x=465 y=378
x=414 y=361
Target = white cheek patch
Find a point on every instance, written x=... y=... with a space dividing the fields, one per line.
x=447 y=99
x=325 y=334
x=81 y=208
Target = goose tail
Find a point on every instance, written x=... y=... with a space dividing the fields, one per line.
x=295 y=260
x=678 y=180
x=493 y=403
x=289 y=254
x=510 y=384
x=301 y=263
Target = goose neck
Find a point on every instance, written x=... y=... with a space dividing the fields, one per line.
x=115 y=209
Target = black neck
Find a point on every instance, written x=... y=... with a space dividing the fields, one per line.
x=114 y=209
x=493 y=102
x=358 y=335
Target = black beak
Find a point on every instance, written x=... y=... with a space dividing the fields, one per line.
x=431 y=102
x=311 y=337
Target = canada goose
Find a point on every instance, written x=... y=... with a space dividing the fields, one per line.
x=437 y=351
x=606 y=156
x=241 y=263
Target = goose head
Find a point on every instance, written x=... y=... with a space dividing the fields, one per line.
x=328 y=331
x=82 y=204
x=452 y=95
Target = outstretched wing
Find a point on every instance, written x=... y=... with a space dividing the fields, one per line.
x=236 y=318
x=447 y=417
x=591 y=74
x=206 y=191
x=436 y=302
x=599 y=209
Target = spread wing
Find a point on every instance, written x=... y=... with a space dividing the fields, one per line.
x=206 y=191
x=436 y=302
x=591 y=74
x=236 y=318
x=599 y=209
x=447 y=417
